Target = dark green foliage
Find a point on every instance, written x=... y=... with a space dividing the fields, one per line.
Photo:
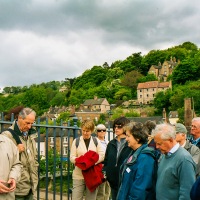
x=162 y=100
x=189 y=90
x=93 y=77
x=148 y=77
x=186 y=71
x=153 y=58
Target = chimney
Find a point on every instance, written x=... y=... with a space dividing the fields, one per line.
x=164 y=115
x=81 y=108
x=95 y=97
x=188 y=113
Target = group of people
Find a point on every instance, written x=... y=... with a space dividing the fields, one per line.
x=143 y=161
x=19 y=166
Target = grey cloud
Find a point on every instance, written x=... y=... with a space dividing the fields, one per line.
x=62 y=38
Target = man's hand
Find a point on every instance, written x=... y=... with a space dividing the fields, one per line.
x=20 y=147
x=12 y=184
x=4 y=187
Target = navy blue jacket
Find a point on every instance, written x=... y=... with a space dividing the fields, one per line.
x=138 y=177
x=112 y=163
x=195 y=191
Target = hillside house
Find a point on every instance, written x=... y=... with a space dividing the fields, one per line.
x=173 y=117
x=163 y=71
x=146 y=91
x=92 y=108
x=63 y=89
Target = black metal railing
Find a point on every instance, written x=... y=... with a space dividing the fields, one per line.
x=58 y=175
x=55 y=180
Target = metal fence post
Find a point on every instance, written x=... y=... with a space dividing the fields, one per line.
x=75 y=119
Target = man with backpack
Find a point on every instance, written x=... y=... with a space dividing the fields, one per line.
x=22 y=132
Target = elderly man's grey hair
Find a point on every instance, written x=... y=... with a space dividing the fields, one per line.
x=196 y=119
x=167 y=131
x=26 y=111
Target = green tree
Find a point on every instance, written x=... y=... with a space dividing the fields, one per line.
x=148 y=77
x=189 y=90
x=93 y=76
x=59 y=99
x=64 y=116
x=185 y=71
x=131 y=79
x=153 y=58
x=123 y=94
x=162 y=100
x=36 y=98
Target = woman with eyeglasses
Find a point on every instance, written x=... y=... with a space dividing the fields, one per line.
x=104 y=189
x=117 y=151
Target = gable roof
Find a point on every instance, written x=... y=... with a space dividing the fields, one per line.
x=153 y=84
x=93 y=101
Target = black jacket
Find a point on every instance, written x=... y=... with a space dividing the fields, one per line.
x=112 y=163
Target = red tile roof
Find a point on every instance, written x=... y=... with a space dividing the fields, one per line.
x=153 y=84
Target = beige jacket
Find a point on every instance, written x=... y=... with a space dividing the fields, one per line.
x=81 y=150
x=28 y=158
x=10 y=166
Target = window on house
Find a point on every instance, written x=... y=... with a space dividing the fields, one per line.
x=51 y=139
x=147 y=95
x=140 y=96
x=65 y=139
x=153 y=95
x=65 y=150
x=147 y=90
x=140 y=90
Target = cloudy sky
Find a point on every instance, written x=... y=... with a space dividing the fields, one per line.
x=46 y=40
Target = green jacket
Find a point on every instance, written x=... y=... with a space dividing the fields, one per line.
x=28 y=158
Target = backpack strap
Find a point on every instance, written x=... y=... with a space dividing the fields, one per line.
x=94 y=140
x=15 y=136
x=77 y=141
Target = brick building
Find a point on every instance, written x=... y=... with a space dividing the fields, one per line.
x=146 y=91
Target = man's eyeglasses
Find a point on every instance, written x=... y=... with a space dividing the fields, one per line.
x=118 y=126
x=194 y=127
x=103 y=130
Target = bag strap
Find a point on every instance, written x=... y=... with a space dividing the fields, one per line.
x=15 y=136
x=77 y=141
